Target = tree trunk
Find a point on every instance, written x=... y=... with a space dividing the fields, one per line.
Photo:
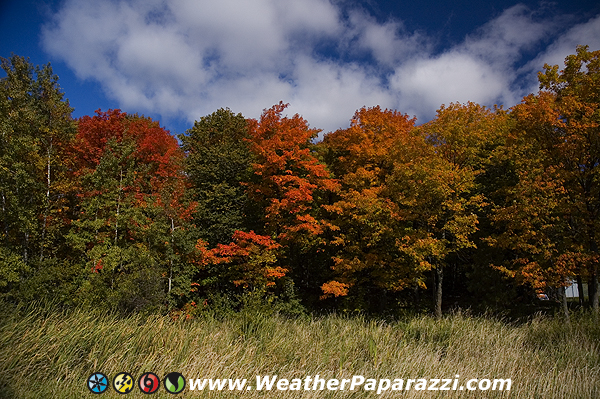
x=5 y=218
x=592 y=285
x=171 y=256
x=439 y=271
x=118 y=207
x=565 y=306
x=580 y=289
x=594 y=298
x=47 y=210
x=593 y=281
x=417 y=297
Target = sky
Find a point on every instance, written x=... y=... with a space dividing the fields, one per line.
x=179 y=60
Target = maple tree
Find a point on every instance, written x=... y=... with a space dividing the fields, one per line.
x=561 y=123
x=251 y=260
x=531 y=227
x=129 y=222
x=360 y=155
x=289 y=177
x=366 y=222
x=409 y=198
x=290 y=185
x=436 y=188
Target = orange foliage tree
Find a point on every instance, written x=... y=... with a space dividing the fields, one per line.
x=435 y=187
x=291 y=185
x=251 y=260
x=560 y=125
x=289 y=177
x=366 y=221
x=531 y=222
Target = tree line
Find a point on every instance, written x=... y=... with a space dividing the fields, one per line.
x=479 y=207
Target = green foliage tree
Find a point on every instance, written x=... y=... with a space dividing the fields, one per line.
x=35 y=129
x=218 y=165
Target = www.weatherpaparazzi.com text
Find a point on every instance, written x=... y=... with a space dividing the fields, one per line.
x=356 y=382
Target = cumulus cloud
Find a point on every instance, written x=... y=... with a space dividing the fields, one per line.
x=187 y=58
x=481 y=69
x=388 y=43
x=587 y=33
x=457 y=76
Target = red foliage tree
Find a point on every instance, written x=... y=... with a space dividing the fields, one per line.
x=130 y=212
x=290 y=178
x=250 y=257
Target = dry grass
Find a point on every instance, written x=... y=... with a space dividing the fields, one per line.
x=47 y=354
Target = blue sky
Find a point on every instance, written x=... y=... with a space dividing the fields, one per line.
x=178 y=60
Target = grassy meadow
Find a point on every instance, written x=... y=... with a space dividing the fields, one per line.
x=50 y=354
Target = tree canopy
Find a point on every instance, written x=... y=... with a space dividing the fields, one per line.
x=477 y=206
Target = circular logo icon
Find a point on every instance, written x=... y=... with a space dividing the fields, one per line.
x=149 y=383
x=97 y=383
x=174 y=383
x=123 y=383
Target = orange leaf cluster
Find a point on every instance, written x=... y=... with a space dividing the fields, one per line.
x=335 y=289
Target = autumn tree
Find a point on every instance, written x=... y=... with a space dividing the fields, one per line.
x=364 y=260
x=529 y=223
x=251 y=260
x=290 y=185
x=35 y=128
x=360 y=155
x=562 y=123
x=436 y=189
x=129 y=224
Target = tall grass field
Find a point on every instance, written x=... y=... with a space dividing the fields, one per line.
x=50 y=354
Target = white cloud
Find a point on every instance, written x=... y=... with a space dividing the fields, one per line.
x=389 y=42
x=187 y=58
x=425 y=84
x=481 y=69
x=502 y=40
x=587 y=33
x=331 y=93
